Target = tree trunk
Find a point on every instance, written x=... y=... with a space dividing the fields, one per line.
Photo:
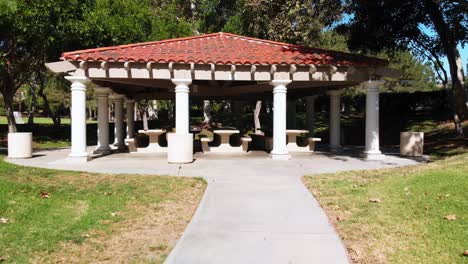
x=258 y=108
x=449 y=43
x=206 y=112
x=10 y=116
x=33 y=105
x=54 y=116
x=145 y=120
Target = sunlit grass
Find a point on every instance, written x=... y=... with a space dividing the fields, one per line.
x=409 y=223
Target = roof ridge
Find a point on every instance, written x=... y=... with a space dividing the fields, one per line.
x=143 y=43
x=299 y=46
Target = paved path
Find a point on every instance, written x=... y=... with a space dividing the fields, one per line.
x=255 y=210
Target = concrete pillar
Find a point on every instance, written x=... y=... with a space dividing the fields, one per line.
x=130 y=118
x=310 y=114
x=335 y=130
x=372 y=150
x=102 y=96
x=78 y=118
x=180 y=143
x=291 y=122
x=279 y=119
x=119 y=141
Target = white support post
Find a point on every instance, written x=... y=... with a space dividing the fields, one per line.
x=180 y=143
x=372 y=151
x=310 y=114
x=335 y=130
x=102 y=96
x=78 y=118
x=130 y=118
x=119 y=141
x=291 y=122
x=279 y=151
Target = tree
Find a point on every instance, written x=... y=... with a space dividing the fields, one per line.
x=35 y=32
x=432 y=28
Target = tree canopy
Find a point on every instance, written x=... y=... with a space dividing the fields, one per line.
x=430 y=28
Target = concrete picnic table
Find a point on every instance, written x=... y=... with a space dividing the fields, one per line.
x=224 y=146
x=153 y=146
x=292 y=140
x=225 y=134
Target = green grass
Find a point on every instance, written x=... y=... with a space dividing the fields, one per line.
x=408 y=225
x=78 y=203
x=43 y=120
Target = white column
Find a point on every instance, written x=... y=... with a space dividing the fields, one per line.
x=102 y=96
x=335 y=130
x=279 y=119
x=182 y=106
x=372 y=151
x=130 y=118
x=310 y=114
x=119 y=142
x=291 y=114
x=78 y=118
x=180 y=143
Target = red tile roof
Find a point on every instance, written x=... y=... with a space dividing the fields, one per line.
x=221 y=48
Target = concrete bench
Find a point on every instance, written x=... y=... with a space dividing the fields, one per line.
x=131 y=144
x=312 y=143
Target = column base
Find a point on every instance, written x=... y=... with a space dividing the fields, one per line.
x=103 y=150
x=373 y=155
x=121 y=148
x=179 y=148
x=335 y=149
x=280 y=156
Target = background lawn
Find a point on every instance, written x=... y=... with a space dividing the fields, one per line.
x=399 y=215
x=48 y=215
x=439 y=132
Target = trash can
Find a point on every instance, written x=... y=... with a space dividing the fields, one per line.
x=411 y=144
x=179 y=148
x=20 y=145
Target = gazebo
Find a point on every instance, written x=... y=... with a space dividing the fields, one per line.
x=215 y=65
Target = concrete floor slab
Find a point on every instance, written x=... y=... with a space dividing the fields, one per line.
x=255 y=209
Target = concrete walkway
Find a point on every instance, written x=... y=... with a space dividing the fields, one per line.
x=255 y=210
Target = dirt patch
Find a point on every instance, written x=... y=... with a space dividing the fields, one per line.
x=145 y=233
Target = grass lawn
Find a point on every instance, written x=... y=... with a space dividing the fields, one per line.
x=49 y=216
x=400 y=215
x=43 y=120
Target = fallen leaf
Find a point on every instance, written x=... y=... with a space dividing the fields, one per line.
x=374 y=200
x=85 y=235
x=45 y=195
x=4 y=220
x=3 y=258
x=465 y=253
x=336 y=207
x=105 y=222
x=114 y=213
x=107 y=193
x=451 y=217
x=24 y=190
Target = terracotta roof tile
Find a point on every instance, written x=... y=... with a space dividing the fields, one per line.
x=221 y=48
